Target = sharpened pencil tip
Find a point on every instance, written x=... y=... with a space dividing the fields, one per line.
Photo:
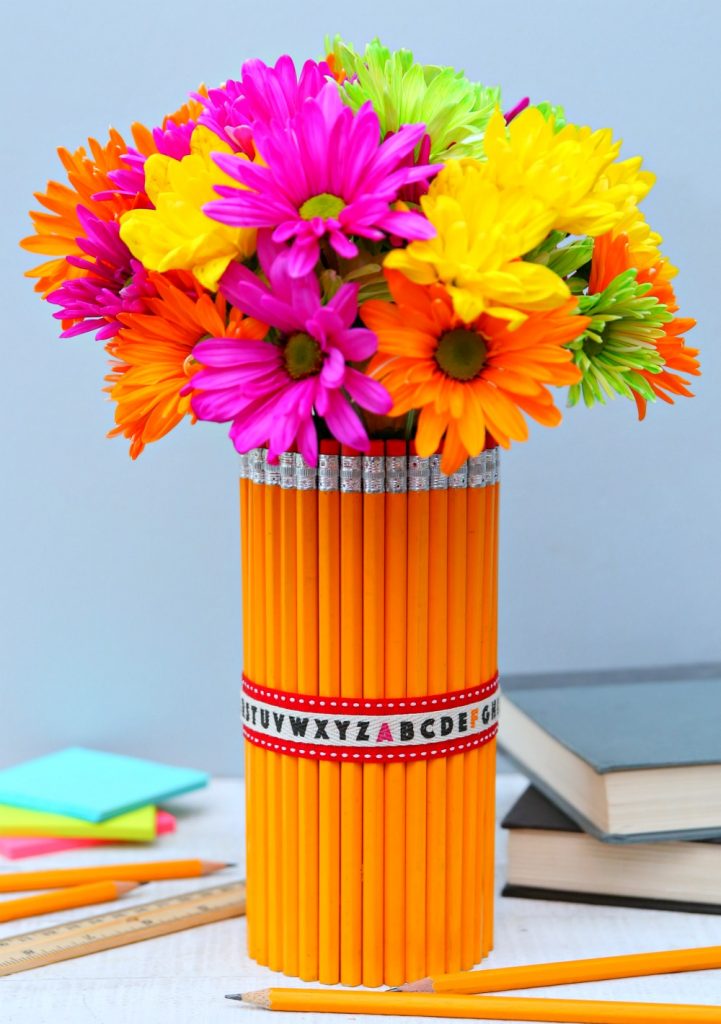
x=237 y=995
x=207 y=867
x=422 y=985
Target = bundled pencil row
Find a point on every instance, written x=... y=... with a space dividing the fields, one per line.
x=374 y=576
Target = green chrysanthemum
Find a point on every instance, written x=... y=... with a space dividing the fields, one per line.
x=564 y=255
x=551 y=110
x=620 y=340
x=454 y=110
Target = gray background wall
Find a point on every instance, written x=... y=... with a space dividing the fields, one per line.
x=119 y=592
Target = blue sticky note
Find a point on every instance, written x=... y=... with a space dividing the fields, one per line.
x=93 y=785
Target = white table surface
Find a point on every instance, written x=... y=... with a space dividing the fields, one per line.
x=182 y=978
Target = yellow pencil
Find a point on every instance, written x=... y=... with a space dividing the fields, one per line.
x=307 y=558
x=289 y=677
x=351 y=604
x=481 y=594
x=417 y=685
x=244 y=482
x=457 y=827
x=64 y=899
x=419 y=1004
x=373 y=687
x=489 y=668
x=258 y=866
x=274 y=784
x=245 y=529
x=328 y=685
x=140 y=871
x=475 y=553
x=396 y=567
x=437 y=683
x=569 y=972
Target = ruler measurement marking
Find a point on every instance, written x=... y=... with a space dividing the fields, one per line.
x=121 y=927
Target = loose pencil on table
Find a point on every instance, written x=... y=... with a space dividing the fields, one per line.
x=473 y=1007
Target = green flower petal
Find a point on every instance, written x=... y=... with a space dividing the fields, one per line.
x=454 y=110
x=556 y=112
x=619 y=341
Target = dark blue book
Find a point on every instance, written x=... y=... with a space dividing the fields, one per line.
x=551 y=858
x=628 y=762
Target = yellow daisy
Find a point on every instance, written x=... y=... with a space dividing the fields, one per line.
x=573 y=171
x=482 y=231
x=177 y=235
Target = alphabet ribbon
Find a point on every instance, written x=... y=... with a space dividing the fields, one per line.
x=358 y=729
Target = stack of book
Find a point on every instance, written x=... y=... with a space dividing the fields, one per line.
x=625 y=802
x=79 y=797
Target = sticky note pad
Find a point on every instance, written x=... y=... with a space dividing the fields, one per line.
x=16 y=846
x=138 y=825
x=93 y=785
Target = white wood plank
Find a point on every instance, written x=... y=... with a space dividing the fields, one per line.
x=183 y=978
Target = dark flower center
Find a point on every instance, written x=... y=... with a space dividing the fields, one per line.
x=461 y=353
x=324 y=205
x=303 y=356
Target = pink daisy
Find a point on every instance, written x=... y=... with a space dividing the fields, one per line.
x=271 y=389
x=325 y=175
x=114 y=282
x=262 y=95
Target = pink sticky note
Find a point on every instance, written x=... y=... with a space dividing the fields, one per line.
x=15 y=847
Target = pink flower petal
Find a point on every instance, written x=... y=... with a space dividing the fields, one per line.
x=407 y=224
x=333 y=372
x=368 y=393
x=344 y=423
x=304 y=255
x=345 y=303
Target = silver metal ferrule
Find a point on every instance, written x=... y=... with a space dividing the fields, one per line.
x=459 y=479
x=439 y=480
x=257 y=458
x=305 y=475
x=374 y=474
x=396 y=474
x=271 y=474
x=351 y=478
x=488 y=467
x=477 y=471
x=328 y=472
x=419 y=473
x=495 y=465
x=243 y=467
x=287 y=471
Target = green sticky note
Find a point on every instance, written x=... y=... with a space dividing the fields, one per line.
x=138 y=826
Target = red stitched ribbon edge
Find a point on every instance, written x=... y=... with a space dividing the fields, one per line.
x=310 y=703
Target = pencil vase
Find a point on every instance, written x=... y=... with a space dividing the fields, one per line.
x=370 y=711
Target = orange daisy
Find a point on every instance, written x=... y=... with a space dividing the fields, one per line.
x=153 y=355
x=677 y=355
x=611 y=257
x=468 y=379
x=57 y=229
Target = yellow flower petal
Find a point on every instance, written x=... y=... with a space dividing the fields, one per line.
x=574 y=172
x=177 y=235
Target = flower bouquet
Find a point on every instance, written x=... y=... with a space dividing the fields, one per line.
x=375 y=276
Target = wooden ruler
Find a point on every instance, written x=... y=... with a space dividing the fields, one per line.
x=120 y=927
